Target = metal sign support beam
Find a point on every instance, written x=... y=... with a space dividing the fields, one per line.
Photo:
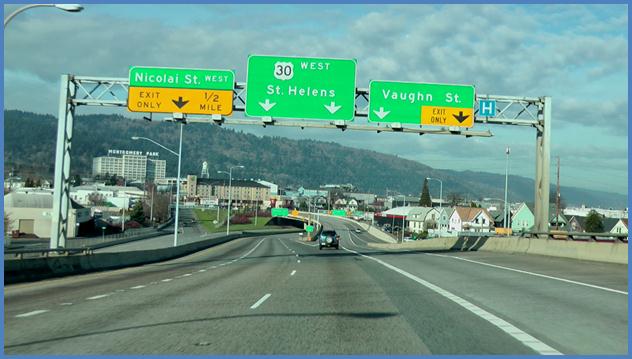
x=542 y=168
x=61 y=194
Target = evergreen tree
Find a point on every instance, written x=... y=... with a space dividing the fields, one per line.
x=138 y=214
x=425 y=200
x=594 y=224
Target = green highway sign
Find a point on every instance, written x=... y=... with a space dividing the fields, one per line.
x=421 y=103
x=300 y=87
x=171 y=77
x=280 y=212
x=339 y=212
x=309 y=229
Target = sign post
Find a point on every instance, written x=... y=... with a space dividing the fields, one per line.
x=175 y=90
x=421 y=103
x=299 y=87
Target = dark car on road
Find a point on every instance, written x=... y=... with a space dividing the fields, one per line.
x=329 y=239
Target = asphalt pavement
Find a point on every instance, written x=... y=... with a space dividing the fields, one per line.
x=281 y=295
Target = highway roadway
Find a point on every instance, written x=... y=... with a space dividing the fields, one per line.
x=280 y=295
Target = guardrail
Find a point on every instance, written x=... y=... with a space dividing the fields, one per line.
x=577 y=236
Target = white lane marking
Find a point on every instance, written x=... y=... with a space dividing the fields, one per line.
x=533 y=274
x=293 y=272
x=297 y=255
x=65 y=303
x=167 y=280
x=298 y=261
x=138 y=287
x=202 y=270
x=29 y=314
x=186 y=275
x=506 y=327
x=358 y=237
x=305 y=244
x=263 y=299
x=349 y=234
x=97 y=297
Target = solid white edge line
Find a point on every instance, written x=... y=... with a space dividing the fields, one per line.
x=29 y=314
x=263 y=299
x=514 y=332
x=533 y=274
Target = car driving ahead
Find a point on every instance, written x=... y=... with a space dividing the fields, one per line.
x=329 y=239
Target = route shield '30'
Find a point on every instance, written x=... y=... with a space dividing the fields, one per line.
x=298 y=87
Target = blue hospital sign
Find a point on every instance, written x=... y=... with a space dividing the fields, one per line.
x=487 y=108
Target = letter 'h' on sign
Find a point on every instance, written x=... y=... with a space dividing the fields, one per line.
x=487 y=108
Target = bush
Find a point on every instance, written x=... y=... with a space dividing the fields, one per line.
x=132 y=224
x=240 y=219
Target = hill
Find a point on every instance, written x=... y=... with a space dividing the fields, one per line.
x=30 y=149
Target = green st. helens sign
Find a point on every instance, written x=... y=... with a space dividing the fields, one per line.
x=299 y=87
x=421 y=103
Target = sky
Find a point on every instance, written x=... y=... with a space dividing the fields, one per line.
x=577 y=54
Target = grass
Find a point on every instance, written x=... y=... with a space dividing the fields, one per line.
x=206 y=218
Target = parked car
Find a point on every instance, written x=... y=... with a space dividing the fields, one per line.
x=329 y=239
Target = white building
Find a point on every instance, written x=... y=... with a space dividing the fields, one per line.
x=131 y=165
x=274 y=188
x=583 y=212
x=422 y=218
x=30 y=212
x=621 y=227
x=471 y=219
x=119 y=196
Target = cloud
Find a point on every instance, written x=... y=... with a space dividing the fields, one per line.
x=576 y=54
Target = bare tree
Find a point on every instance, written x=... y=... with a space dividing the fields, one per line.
x=96 y=199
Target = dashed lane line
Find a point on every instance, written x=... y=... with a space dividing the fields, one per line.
x=293 y=272
x=30 y=314
x=98 y=297
x=258 y=303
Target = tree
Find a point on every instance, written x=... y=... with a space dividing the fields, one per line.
x=96 y=199
x=454 y=199
x=28 y=183
x=594 y=223
x=76 y=180
x=473 y=205
x=425 y=200
x=137 y=214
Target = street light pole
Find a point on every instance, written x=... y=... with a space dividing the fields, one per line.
x=506 y=214
x=440 y=202
x=179 y=154
x=230 y=193
x=65 y=7
x=175 y=237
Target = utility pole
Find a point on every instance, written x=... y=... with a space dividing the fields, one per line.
x=557 y=197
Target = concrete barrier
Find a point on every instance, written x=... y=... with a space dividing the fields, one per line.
x=616 y=252
x=16 y=271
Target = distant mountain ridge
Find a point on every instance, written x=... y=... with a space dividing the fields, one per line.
x=30 y=148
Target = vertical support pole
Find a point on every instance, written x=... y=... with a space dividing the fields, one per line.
x=542 y=169
x=61 y=194
x=175 y=237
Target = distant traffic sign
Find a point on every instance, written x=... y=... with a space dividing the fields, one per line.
x=487 y=108
x=299 y=87
x=339 y=212
x=309 y=229
x=421 y=103
x=279 y=212
x=191 y=91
